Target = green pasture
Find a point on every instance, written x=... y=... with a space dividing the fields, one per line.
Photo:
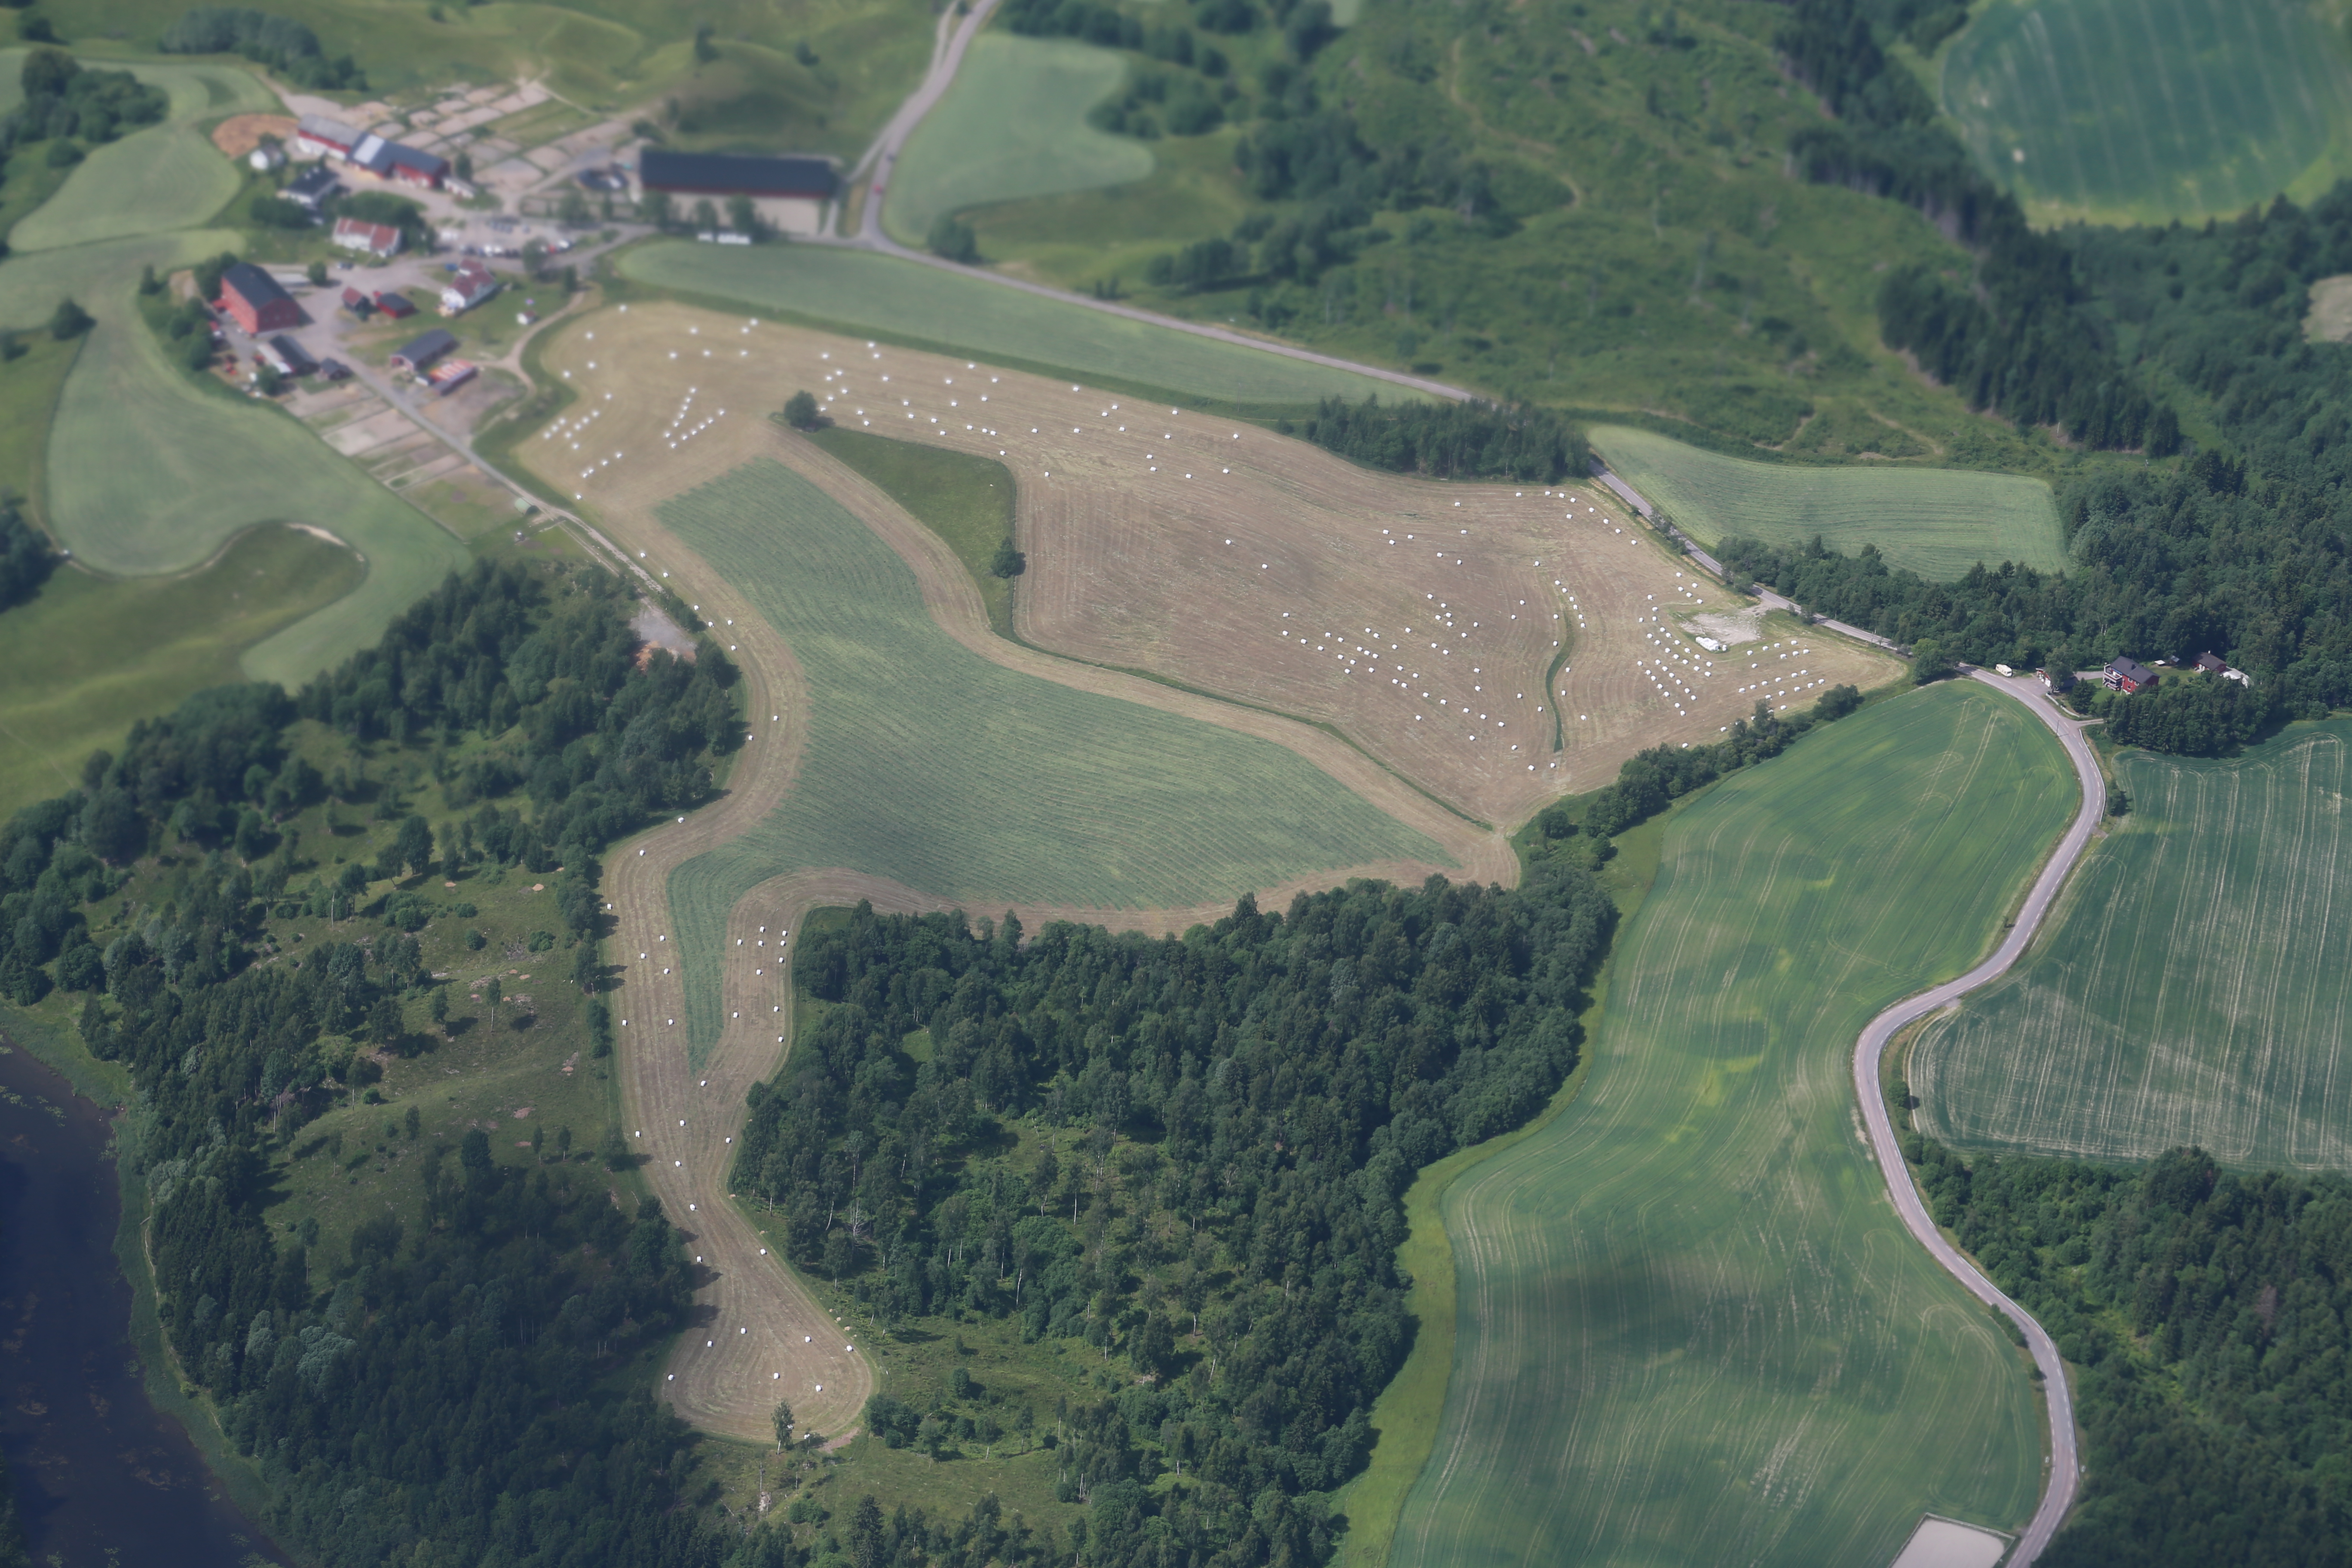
x=2112 y=110
x=1013 y=125
x=859 y=291
x=1937 y=521
x=88 y=656
x=166 y=176
x=1690 y=1328
x=965 y=499
x=2192 y=987
x=1081 y=239
x=612 y=57
x=926 y=763
x=150 y=471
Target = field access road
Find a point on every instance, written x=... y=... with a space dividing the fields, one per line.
x=2058 y=1491
x=947 y=54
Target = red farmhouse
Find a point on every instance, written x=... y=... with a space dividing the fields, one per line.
x=254 y=299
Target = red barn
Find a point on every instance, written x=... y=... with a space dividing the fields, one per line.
x=254 y=299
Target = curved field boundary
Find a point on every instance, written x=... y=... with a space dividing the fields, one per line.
x=1013 y=125
x=1688 y=1327
x=783 y=1342
x=2058 y=1494
x=2192 y=989
x=2112 y=110
x=1937 y=522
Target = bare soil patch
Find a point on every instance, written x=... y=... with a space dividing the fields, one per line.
x=241 y=133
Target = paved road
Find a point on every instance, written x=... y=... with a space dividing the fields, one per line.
x=2058 y=1491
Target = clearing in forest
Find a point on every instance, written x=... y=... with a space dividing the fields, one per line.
x=1014 y=124
x=2191 y=988
x=1418 y=620
x=1938 y=522
x=1692 y=1327
x=2111 y=111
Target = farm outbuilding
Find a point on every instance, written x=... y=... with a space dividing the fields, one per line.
x=256 y=301
x=316 y=136
x=399 y=163
x=791 y=193
x=419 y=355
x=288 y=356
x=2056 y=680
x=311 y=186
x=2129 y=675
x=2212 y=664
x=394 y=305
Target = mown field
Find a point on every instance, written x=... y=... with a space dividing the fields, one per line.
x=2111 y=111
x=966 y=500
x=167 y=177
x=2192 y=989
x=1013 y=125
x=1937 y=521
x=88 y=656
x=1690 y=1327
x=925 y=305
x=927 y=764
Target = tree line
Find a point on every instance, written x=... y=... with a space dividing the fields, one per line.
x=64 y=104
x=284 y=45
x=1472 y=439
x=1225 y=1124
x=2211 y=1314
x=463 y=1394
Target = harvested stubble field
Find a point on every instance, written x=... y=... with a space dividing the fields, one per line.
x=1691 y=1328
x=893 y=732
x=1013 y=125
x=2110 y=110
x=864 y=293
x=1937 y=522
x=2192 y=989
x=1415 y=619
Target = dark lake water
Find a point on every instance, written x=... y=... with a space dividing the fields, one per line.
x=103 y=1478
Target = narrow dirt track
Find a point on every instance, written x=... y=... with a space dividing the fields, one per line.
x=759 y=1335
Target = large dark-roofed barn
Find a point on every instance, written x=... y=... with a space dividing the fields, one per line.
x=255 y=300
x=789 y=193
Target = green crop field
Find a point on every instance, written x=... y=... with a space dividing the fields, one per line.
x=87 y=655
x=2192 y=987
x=863 y=292
x=1690 y=1327
x=965 y=499
x=929 y=764
x=2112 y=110
x=205 y=463
x=1013 y=125
x=167 y=177
x=1937 y=521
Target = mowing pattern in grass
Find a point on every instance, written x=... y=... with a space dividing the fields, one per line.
x=166 y=176
x=926 y=763
x=1937 y=521
x=87 y=658
x=1013 y=125
x=1691 y=1328
x=2115 y=111
x=971 y=315
x=2193 y=988
x=965 y=499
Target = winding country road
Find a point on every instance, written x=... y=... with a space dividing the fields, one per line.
x=2058 y=1491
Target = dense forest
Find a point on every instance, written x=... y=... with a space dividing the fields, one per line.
x=64 y=104
x=2211 y=1313
x=26 y=557
x=1472 y=440
x=448 y=1396
x=1228 y=1123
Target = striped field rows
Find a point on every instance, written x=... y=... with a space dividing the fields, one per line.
x=2192 y=988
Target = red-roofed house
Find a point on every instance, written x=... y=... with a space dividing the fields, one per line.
x=467 y=287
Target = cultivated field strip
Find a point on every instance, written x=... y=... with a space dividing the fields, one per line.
x=1937 y=522
x=1690 y=1327
x=1240 y=563
x=2127 y=110
x=981 y=318
x=2192 y=989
